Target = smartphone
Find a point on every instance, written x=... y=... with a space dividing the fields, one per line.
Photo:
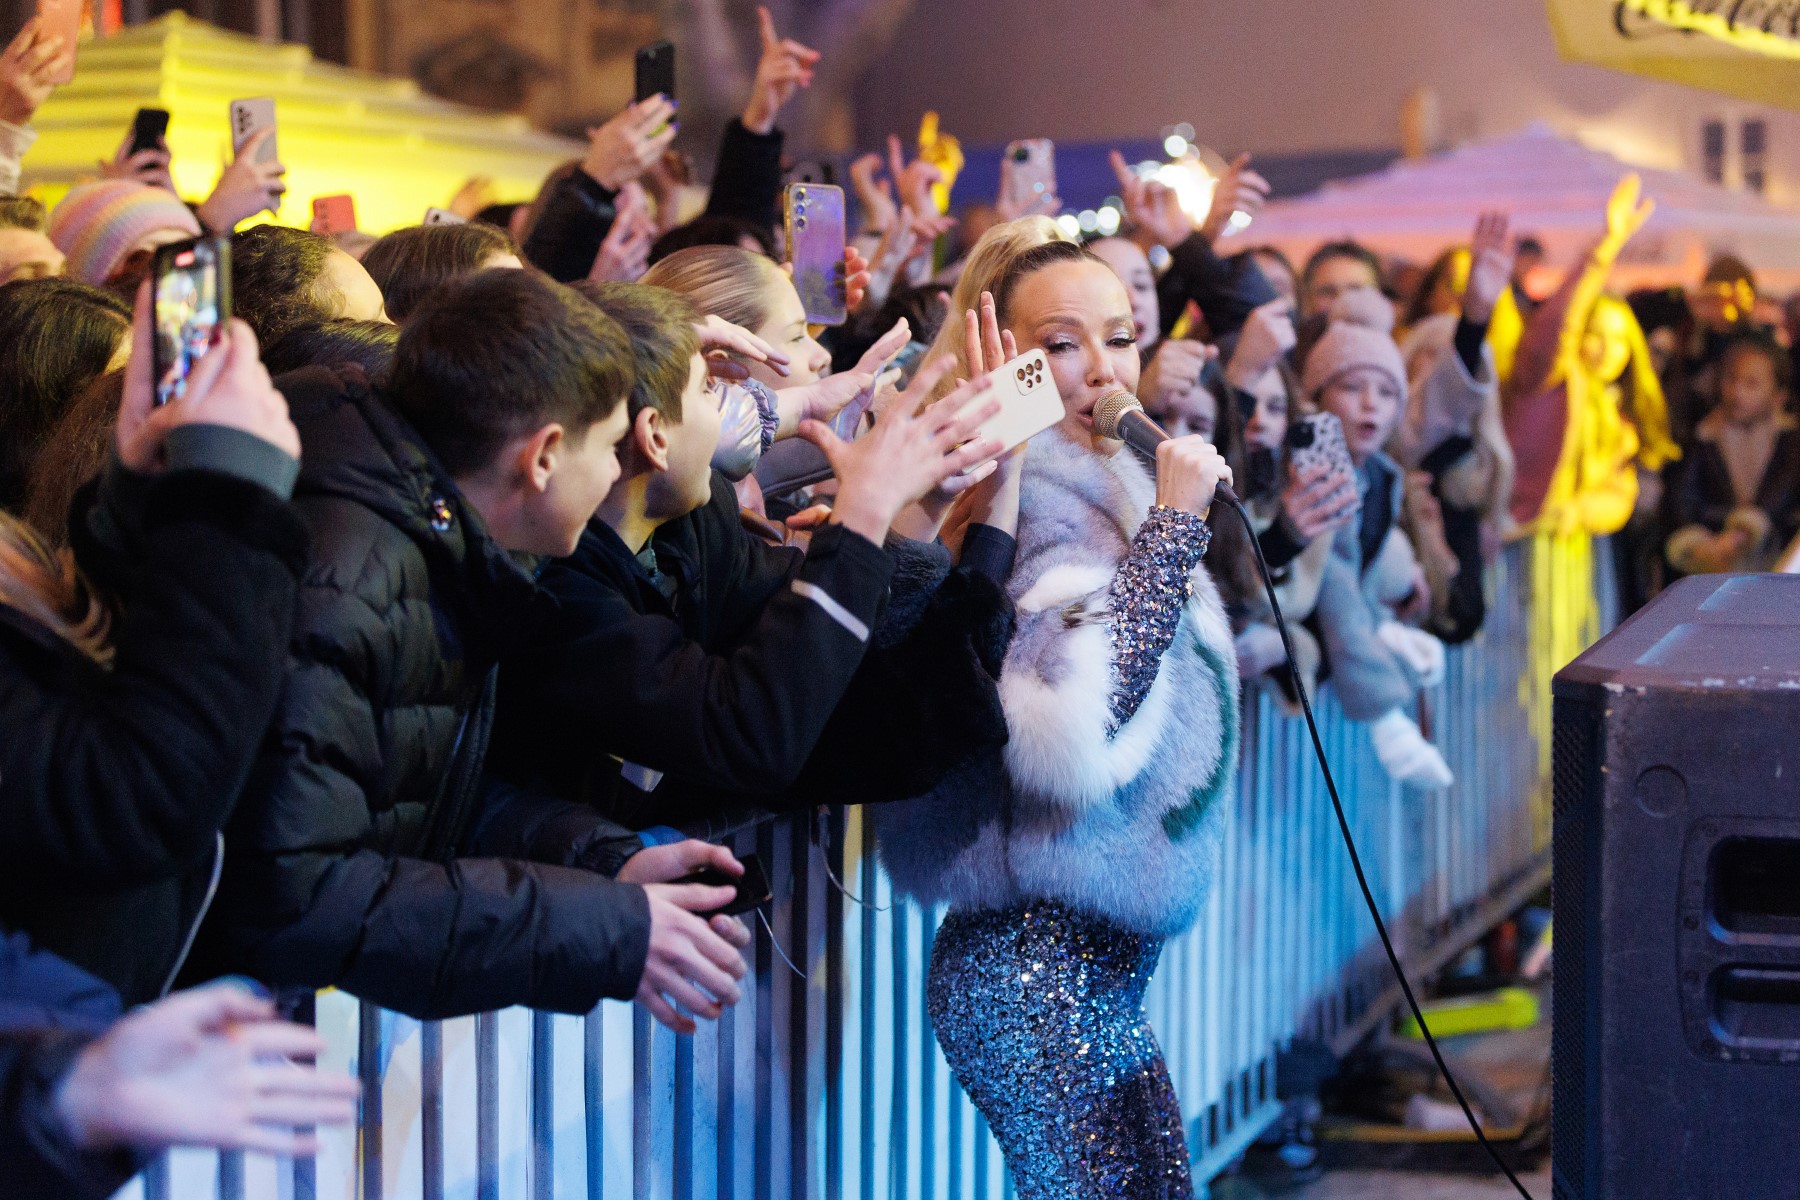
x=752 y=889
x=250 y=117
x=1033 y=174
x=334 y=214
x=148 y=129
x=815 y=241
x=190 y=297
x=1318 y=439
x=62 y=17
x=443 y=216
x=656 y=70
x=1029 y=401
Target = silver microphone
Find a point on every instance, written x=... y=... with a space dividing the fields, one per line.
x=1121 y=417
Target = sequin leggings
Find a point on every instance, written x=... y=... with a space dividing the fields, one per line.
x=1040 y=1012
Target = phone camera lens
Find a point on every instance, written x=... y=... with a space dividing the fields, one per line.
x=800 y=222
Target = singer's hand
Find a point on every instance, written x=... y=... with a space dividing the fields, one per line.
x=1189 y=471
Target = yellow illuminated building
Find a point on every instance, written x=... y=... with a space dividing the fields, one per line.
x=396 y=150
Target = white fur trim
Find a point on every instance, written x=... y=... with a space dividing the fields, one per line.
x=1058 y=745
x=1061 y=586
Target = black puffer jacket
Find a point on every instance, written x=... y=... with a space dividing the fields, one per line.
x=355 y=848
x=114 y=783
x=769 y=678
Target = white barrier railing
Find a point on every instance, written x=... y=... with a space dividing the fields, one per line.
x=826 y=1082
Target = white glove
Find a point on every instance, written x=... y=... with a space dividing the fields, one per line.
x=1416 y=648
x=1405 y=754
x=1259 y=650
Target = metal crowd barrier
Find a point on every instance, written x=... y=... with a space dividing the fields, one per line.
x=825 y=1082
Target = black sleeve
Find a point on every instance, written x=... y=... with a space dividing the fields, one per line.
x=437 y=940
x=575 y=219
x=1226 y=290
x=921 y=705
x=635 y=685
x=747 y=180
x=1280 y=545
x=517 y=823
x=1469 y=337
x=38 y=1158
x=127 y=774
x=989 y=552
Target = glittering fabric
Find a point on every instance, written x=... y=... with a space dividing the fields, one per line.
x=1147 y=594
x=1040 y=1012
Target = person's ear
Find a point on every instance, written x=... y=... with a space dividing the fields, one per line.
x=539 y=456
x=650 y=439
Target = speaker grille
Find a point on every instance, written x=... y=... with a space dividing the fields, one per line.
x=1575 y=774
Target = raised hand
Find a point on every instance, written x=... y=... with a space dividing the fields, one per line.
x=721 y=342
x=1173 y=373
x=856 y=279
x=476 y=193
x=1267 y=335
x=987 y=346
x=625 y=251
x=621 y=150
x=210 y=1067
x=245 y=188
x=1626 y=211
x=227 y=386
x=906 y=455
x=693 y=962
x=29 y=69
x=1151 y=206
x=1490 y=267
x=784 y=68
x=912 y=180
x=1319 y=500
x=146 y=166
x=874 y=195
x=1239 y=190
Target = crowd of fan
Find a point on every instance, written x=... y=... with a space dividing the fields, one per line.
x=478 y=557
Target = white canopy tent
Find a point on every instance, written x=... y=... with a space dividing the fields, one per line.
x=1554 y=188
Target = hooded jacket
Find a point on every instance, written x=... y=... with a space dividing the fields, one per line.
x=1121 y=821
x=370 y=851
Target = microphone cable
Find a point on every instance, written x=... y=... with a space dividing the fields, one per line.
x=1228 y=498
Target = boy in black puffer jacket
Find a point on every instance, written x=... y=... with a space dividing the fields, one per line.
x=692 y=666
x=372 y=853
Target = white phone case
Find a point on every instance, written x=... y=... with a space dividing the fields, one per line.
x=247 y=118
x=1029 y=401
x=443 y=216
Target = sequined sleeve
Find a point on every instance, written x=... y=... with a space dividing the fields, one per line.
x=1147 y=594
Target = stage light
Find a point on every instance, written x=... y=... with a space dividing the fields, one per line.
x=1108 y=221
x=1071 y=228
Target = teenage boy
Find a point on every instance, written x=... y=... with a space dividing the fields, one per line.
x=370 y=851
x=691 y=658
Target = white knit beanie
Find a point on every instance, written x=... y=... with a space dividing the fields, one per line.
x=1360 y=334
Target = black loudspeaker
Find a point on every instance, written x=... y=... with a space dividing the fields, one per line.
x=1676 y=1039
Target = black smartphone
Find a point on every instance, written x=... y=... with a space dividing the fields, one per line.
x=190 y=298
x=752 y=890
x=656 y=70
x=148 y=129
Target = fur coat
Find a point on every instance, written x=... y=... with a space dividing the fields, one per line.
x=1128 y=824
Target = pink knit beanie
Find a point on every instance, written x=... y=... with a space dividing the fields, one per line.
x=1360 y=334
x=98 y=224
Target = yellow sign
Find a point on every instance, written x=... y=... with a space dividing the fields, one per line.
x=1744 y=48
x=1769 y=27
